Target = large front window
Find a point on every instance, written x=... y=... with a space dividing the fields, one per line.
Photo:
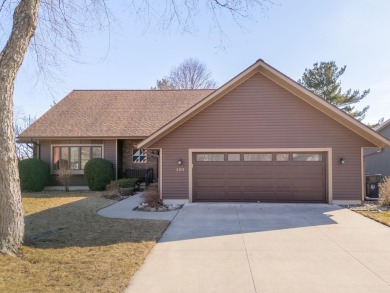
x=74 y=157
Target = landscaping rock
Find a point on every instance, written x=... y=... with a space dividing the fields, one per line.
x=144 y=207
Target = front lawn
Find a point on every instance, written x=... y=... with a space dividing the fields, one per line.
x=69 y=248
x=381 y=217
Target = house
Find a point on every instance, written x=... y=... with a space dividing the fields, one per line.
x=378 y=161
x=260 y=137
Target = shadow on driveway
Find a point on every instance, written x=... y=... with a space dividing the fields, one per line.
x=198 y=220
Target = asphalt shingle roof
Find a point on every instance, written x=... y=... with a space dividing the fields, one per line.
x=113 y=113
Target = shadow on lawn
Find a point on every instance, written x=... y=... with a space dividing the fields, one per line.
x=76 y=224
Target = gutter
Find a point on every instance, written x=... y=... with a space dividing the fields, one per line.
x=375 y=153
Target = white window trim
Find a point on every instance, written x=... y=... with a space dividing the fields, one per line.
x=73 y=172
x=329 y=165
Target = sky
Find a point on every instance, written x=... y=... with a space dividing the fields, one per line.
x=290 y=36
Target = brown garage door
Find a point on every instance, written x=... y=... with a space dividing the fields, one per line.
x=272 y=177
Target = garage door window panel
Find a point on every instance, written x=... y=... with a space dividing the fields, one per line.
x=210 y=157
x=234 y=157
x=282 y=157
x=257 y=157
x=307 y=157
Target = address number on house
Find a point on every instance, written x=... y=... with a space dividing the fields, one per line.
x=179 y=169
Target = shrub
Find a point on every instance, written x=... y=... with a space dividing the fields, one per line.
x=99 y=173
x=384 y=192
x=152 y=198
x=125 y=182
x=115 y=185
x=34 y=174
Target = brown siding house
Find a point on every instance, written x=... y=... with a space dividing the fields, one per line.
x=260 y=137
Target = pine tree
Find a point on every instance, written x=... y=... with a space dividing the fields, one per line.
x=323 y=80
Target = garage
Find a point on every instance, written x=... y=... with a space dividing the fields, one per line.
x=260 y=176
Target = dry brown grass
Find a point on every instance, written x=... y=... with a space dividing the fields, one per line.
x=69 y=248
x=381 y=217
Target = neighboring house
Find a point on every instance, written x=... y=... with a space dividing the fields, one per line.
x=259 y=137
x=380 y=162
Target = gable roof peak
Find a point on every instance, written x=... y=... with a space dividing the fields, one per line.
x=282 y=80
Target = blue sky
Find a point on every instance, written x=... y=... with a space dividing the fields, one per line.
x=291 y=36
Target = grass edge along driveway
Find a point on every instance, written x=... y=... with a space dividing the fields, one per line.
x=382 y=217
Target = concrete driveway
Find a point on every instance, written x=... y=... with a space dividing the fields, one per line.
x=268 y=248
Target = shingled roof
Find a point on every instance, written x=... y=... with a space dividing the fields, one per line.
x=113 y=113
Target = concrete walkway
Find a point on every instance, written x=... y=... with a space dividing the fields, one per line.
x=268 y=248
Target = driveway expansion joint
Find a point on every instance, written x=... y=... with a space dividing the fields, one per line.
x=246 y=250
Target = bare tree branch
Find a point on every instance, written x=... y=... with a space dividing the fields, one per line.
x=190 y=74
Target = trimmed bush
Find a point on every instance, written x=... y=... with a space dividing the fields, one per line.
x=34 y=174
x=99 y=173
x=123 y=183
x=115 y=187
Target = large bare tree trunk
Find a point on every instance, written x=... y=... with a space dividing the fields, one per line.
x=11 y=58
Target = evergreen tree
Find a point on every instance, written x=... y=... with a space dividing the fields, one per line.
x=323 y=80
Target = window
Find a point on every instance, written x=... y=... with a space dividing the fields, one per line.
x=74 y=157
x=65 y=157
x=233 y=157
x=210 y=157
x=282 y=157
x=307 y=157
x=74 y=160
x=96 y=152
x=85 y=156
x=257 y=157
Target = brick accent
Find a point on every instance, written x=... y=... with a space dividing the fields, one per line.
x=128 y=146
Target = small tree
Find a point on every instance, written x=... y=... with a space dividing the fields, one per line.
x=64 y=174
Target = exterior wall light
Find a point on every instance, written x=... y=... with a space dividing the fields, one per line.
x=342 y=161
x=180 y=162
